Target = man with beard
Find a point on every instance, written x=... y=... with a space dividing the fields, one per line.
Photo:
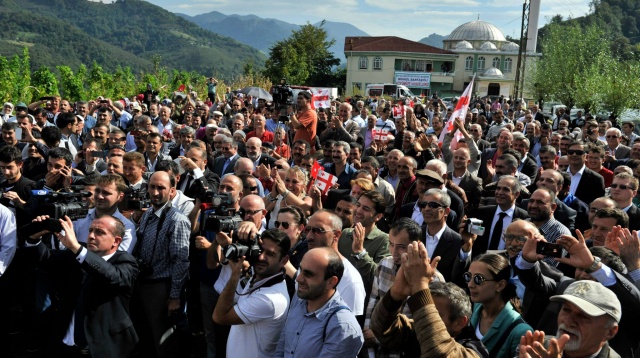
x=254 y=152
x=406 y=190
x=318 y=322
x=339 y=167
x=345 y=208
x=567 y=214
x=323 y=230
x=300 y=149
x=548 y=157
x=540 y=209
x=258 y=314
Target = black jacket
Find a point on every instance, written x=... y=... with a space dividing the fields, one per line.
x=486 y=214
x=210 y=180
x=591 y=186
x=448 y=248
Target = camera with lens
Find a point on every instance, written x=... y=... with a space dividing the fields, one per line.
x=250 y=249
x=205 y=194
x=474 y=226
x=283 y=99
x=136 y=199
x=57 y=205
x=223 y=218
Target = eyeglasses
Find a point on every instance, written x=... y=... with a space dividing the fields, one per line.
x=477 y=278
x=316 y=230
x=520 y=239
x=621 y=186
x=612 y=136
x=431 y=204
x=285 y=225
x=244 y=212
x=279 y=166
x=576 y=152
x=252 y=188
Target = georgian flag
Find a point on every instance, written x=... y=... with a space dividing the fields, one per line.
x=380 y=134
x=460 y=111
x=325 y=181
x=320 y=98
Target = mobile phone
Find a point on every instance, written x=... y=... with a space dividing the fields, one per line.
x=104 y=101
x=264 y=160
x=548 y=249
x=135 y=132
x=98 y=154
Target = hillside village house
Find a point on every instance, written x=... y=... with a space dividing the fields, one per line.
x=474 y=47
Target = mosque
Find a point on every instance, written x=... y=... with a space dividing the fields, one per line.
x=476 y=47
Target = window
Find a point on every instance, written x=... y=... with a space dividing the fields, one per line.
x=406 y=65
x=377 y=63
x=496 y=62
x=468 y=64
x=363 y=63
x=481 y=61
x=508 y=65
x=421 y=65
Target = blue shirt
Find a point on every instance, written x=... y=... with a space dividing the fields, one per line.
x=303 y=331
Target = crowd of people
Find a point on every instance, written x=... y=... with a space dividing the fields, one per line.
x=130 y=226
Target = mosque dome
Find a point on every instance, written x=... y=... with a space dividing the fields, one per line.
x=488 y=46
x=492 y=72
x=464 y=45
x=476 y=31
x=510 y=47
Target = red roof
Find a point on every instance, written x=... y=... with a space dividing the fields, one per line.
x=389 y=44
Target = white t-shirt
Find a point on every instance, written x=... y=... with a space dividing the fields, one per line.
x=351 y=288
x=264 y=313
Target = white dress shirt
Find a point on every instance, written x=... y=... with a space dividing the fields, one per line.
x=505 y=223
x=432 y=241
x=575 y=179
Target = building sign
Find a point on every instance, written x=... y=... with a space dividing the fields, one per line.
x=413 y=79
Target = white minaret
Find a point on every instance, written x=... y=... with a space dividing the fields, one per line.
x=532 y=33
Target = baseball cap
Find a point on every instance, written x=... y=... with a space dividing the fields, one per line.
x=21 y=105
x=592 y=298
x=474 y=111
x=136 y=106
x=430 y=175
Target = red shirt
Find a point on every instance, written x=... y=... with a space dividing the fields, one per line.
x=607 y=175
x=265 y=137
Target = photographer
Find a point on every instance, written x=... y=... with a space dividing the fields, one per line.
x=305 y=121
x=260 y=310
x=163 y=256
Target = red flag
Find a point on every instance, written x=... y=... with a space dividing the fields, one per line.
x=181 y=88
x=315 y=169
x=325 y=181
x=460 y=111
x=320 y=98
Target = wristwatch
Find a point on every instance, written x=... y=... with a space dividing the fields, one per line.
x=360 y=255
x=594 y=265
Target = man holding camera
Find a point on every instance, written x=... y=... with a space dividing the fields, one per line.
x=108 y=193
x=99 y=292
x=259 y=312
x=163 y=256
x=305 y=121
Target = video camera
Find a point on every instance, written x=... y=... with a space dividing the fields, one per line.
x=136 y=199
x=223 y=218
x=57 y=205
x=283 y=99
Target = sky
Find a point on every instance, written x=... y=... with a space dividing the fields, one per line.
x=409 y=19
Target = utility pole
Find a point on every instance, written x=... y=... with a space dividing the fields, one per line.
x=522 y=51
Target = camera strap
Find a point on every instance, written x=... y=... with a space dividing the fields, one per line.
x=270 y=282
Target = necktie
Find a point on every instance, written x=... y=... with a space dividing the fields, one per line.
x=497 y=232
x=188 y=183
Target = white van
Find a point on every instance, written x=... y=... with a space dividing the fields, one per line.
x=378 y=90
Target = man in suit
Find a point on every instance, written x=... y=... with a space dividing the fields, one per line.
x=254 y=152
x=537 y=115
x=490 y=155
x=427 y=179
x=187 y=135
x=552 y=179
x=457 y=204
x=528 y=165
x=153 y=151
x=224 y=164
x=366 y=133
x=471 y=184
x=623 y=189
x=614 y=149
x=194 y=164
x=94 y=311
x=586 y=184
x=496 y=218
x=440 y=240
x=342 y=127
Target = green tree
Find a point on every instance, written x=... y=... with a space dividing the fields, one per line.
x=303 y=58
x=44 y=81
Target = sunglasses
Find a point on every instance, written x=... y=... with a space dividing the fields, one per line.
x=621 y=186
x=431 y=204
x=252 y=188
x=612 y=136
x=576 y=152
x=520 y=239
x=315 y=230
x=285 y=225
x=279 y=166
x=477 y=278
x=243 y=212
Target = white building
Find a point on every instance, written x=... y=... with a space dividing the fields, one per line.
x=474 y=47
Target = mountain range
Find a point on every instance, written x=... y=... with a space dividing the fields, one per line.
x=263 y=33
x=121 y=33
